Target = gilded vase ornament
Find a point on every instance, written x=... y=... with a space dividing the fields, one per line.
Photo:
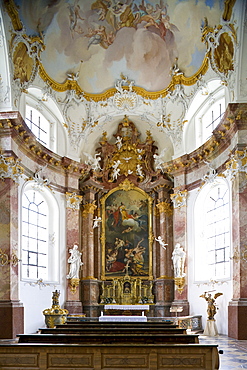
x=55 y=315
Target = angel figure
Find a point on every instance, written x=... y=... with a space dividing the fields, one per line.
x=211 y=310
x=159 y=160
x=161 y=242
x=119 y=142
x=93 y=161
x=96 y=222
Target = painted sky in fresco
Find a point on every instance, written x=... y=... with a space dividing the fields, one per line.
x=97 y=40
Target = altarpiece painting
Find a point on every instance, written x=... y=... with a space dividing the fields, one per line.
x=126 y=234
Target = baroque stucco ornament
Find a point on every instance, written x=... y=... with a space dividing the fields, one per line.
x=179 y=198
x=10 y=168
x=73 y=201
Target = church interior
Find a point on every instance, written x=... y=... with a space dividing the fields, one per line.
x=123 y=165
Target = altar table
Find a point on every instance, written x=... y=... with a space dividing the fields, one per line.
x=123 y=318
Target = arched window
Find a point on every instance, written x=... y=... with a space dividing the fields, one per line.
x=204 y=114
x=39 y=125
x=211 y=118
x=39 y=234
x=212 y=232
x=43 y=117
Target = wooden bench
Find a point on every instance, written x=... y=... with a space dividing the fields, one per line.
x=108 y=338
x=109 y=357
x=111 y=330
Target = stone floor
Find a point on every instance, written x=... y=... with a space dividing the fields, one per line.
x=234 y=351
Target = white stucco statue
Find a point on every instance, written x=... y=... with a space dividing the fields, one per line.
x=75 y=263
x=178 y=259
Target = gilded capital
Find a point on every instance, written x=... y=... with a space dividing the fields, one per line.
x=164 y=207
x=88 y=208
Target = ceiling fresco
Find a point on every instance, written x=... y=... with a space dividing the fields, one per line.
x=94 y=42
x=99 y=60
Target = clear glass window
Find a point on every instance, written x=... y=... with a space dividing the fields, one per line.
x=38 y=124
x=212 y=117
x=212 y=239
x=35 y=235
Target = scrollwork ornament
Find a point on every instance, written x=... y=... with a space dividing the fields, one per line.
x=179 y=198
x=73 y=200
x=10 y=168
x=237 y=164
x=125 y=98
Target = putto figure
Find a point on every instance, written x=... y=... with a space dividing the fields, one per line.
x=161 y=242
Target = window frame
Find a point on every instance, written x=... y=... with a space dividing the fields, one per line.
x=53 y=221
x=200 y=240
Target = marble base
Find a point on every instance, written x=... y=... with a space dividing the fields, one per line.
x=211 y=329
x=237 y=313
x=12 y=319
x=74 y=307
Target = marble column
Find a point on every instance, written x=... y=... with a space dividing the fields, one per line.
x=164 y=282
x=11 y=309
x=90 y=286
x=73 y=303
x=180 y=234
x=237 y=309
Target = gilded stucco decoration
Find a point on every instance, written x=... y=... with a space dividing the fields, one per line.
x=164 y=207
x=5 y=259
x=221 y=41
x=73 y=201
x=237 y=163
x=10 y=168
x=179 y=198
x=88 y=208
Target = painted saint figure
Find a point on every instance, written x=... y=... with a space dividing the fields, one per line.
x=75 y=263
x=178 y=259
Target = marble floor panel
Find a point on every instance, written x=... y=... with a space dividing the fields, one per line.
x=234 y=354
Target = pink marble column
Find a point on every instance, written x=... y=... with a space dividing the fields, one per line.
x=11 y=309
x=73 y=303
x=237 y=309
x=164 y=281
x=90 y=288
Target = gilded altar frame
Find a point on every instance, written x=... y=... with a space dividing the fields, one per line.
x=127 y=236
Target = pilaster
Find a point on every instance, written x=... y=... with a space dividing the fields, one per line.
x=11 y=309
x=73 y=303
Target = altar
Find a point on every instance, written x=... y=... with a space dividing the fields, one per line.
x=123 y=318
x=126 y=310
